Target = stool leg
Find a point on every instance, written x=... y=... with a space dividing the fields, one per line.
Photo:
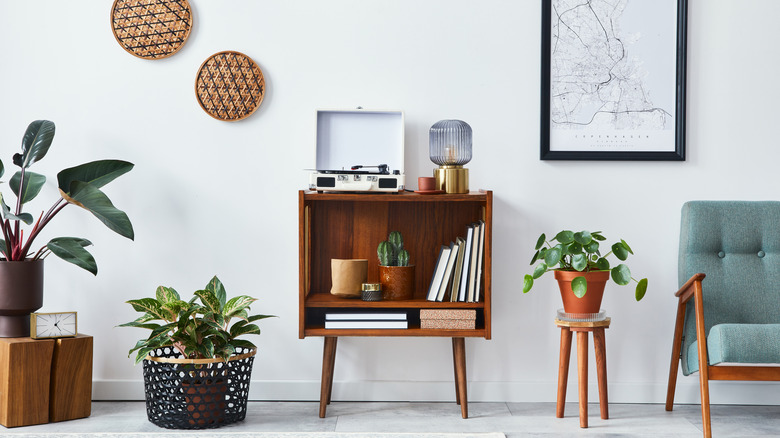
x=600 y=344
x=563 y=370
x=582 y=374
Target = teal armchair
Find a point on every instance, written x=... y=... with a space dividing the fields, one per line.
x=729 y=270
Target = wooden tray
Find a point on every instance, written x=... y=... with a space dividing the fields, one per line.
x=229 y=86
x=151 y=29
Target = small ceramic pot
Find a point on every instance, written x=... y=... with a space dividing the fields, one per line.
x=397 y=282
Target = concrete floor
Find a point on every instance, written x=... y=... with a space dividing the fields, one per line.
x=513 y=419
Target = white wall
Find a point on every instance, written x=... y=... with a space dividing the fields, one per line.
x=212 y=197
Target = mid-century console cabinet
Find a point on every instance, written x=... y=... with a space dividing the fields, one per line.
x=350 y=226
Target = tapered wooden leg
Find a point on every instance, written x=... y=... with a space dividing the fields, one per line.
x=675 y=363
x=600 y=345
x=563 y=370
x=704 y=379
x=332 y=367
x=328 y=362
x=459 y=350
x=582 y=375
x=455 y=370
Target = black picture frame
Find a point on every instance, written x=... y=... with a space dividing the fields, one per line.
x=675 y=152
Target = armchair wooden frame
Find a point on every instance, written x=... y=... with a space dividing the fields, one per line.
x=693 y=289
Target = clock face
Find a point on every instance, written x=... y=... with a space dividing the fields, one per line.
x=55 y=325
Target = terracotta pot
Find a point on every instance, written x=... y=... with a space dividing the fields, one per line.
x=591 y=301
x=205 y=402
x=397 y=282
x=21 y=293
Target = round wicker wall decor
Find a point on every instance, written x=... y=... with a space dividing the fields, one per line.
x=151 y=29
x=230 y=86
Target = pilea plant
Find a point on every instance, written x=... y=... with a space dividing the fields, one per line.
x=197 y=330
x=391 y=252
x=78 y=185
x=582 y=252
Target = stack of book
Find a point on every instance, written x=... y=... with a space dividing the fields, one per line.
x=458 y=272
x=448 y=319
x=367 y=320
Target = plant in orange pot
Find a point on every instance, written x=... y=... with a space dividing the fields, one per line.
x=580 y=268
x=395 y=273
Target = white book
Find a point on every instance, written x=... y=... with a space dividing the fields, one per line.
x=464 y=278
x=448 y=271
x=480 y=258
x=438 y=273
x=473 y=265
x=366 y=324
x=364 y=316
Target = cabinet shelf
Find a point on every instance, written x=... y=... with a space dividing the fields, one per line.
x=351 y=225
x=329 y=301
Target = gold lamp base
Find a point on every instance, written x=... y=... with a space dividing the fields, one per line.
x=452 y=179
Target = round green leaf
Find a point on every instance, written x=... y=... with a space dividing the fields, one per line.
x=602 y=264
x=628 y=248
x=553 y=256
x=641 y=289
x=574 y=248
x=621 y=274
x=565 y=237
x=597 y=236
x=528 y=283
x=579 y=262
x=592 y=247
x=583 y=238
x=540 y=241
x=620 y=251
x=540 y=269
x=579 y=286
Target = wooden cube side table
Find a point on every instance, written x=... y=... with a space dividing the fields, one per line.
x=45 y=380
x=599 y=340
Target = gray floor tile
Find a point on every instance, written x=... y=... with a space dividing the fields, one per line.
x=528 y=420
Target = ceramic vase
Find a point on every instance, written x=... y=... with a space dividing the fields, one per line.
x=21 y=293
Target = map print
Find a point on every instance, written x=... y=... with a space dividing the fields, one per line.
x=601 y=95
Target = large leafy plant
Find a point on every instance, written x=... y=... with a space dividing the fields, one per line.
x=198 y=330
x=78 y=185
x=582 y=252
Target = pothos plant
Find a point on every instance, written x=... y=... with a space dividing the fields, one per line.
x=391 y=252
x=197 y=330
x=78 y=186
x=581 y=252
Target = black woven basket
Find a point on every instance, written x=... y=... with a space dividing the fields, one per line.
x=196 y=394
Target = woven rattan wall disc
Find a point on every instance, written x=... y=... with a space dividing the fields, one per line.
x=229 y=86
x=151 y=29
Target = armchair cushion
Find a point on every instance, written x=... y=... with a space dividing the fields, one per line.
x=737 y=343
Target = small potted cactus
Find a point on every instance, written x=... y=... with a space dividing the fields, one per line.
x=395 y=273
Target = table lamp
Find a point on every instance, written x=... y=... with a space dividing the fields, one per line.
x=450 y=148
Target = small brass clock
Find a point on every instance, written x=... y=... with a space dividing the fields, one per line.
x=53 y=325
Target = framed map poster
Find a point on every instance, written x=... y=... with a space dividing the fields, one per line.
x=613 y=79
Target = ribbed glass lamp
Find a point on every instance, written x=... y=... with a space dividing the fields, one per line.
x=450 y=148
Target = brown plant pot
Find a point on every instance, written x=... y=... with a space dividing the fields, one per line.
x=205 y=402
x=397 y=282
x=591 y=301
x=21 y=293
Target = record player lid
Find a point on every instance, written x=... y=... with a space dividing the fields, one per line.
x=360 y=137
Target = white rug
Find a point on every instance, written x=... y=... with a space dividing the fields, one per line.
x=216 y=434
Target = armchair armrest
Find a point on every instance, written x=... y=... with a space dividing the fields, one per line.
x=686 y=291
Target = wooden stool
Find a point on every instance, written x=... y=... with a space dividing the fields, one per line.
x=582 y=328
